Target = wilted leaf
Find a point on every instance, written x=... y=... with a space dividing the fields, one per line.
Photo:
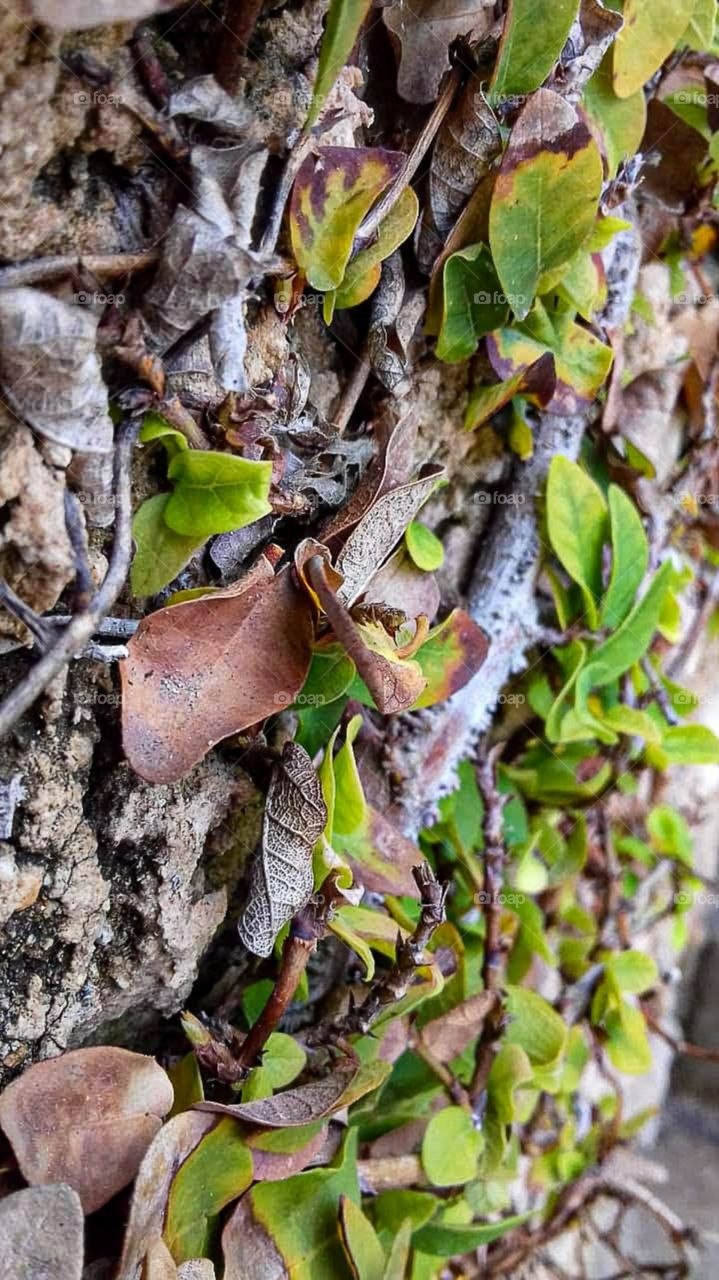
x=425 y=34
x=535 y=379
x=41 y=1234
x=379 y=530
x=333 y=192
x=621 y=121
x=74 y=15
x=448 y=1035
x=467 y=146
x=364 y=1252
x=532 y=40
x=648 y=36
x=86 y=1118
x=160 y=553
x=581 y=361
x=545 y=197
x=283 y=1229
x=212 y=1176
x=199 y=671
x=215 y=492
x=172 y=1145
x=344 y=19
x=281 y=879
x=49 y=369
x=300 y=1106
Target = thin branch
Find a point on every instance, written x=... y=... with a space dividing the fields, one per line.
x=82 y=627
x=103 y=265
x=680 y=1046
x=233 y=38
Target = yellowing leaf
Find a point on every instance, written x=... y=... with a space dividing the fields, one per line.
x=545 y=197
x=333 y=192
x=213 y=1175
x=621 y=121
x=450 y=656
x=581 y=361
x=648 y=36
x=365 y=1254
x=363 y=271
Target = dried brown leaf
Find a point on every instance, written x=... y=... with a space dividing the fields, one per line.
x=202 y=98
x=378 y=532
x=86 y=1118
x=199 y=671
x=281 y=879
x=425 y=31
x=401 y=585
x=49 y=369
x=172 y=1145
x=450 y=1034
x=392 y=467
x=274 y=1166
x=41 y=1234
x=159 y=1262
x=294 y=1107
x=248 y=1249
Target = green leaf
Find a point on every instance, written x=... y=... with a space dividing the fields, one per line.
x=398 y=1258
x=631 y=971
x=574 y=658
x=631 y=721
x=545 y=197
x=577 y=527
x=186 y=1083
x=216 y=492
x=473 y=303
x=533 y=37
x=282 y=1059
x=333 y=191
x=154 y=427
x=363 y=271
x=364 y=1252
x=350 y=806
x=214 y=1174
x=424 y=547
x=160 y=553
x=630 y=557
x=535 y=1026
x=344 y=19
x=447 y=1241
x=649 y=35
x=687 y=744
x=621 y=120
x=627 y=1044
x=670 y=835
x=510 y=1070
x=699 y=34
x=450 y=1148
x=392 y=1208
x=330 y=675
x=628 y=644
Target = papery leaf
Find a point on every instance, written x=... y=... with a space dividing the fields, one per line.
x=532 y=40
x=450 y=656
x=648 y=36
x=363 y=271
x=545 y=197
x=446 y=1240
x=160 y=553
x=425 y=41
x=390 y=469
x=75 y=15
x=333 y=192
x=199 y=671
x=308 y=1102
x=620 y=121
x=85 y=1118
x=363 y=1250
x=172 y=1145
x=290 y=1228
x=537 y=379
x=215 y=492
x=378 y=532
x=42 y=1234
x=473 y=303
x=577 y=526
x=630 y=557
x=581 y=363
x=450 y=1148
x=344 y=20
x=212 y=1176
x=281 y=879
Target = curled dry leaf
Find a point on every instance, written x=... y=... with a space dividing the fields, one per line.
x=294 y=1107
x=395 y=315
x=41 y=1234
x=199 y=671
x=450 y=1034
x=202 y=98
x=425 y=31
x=379 y=531
x=49 y=369
x=392 y=467
x=172 y=1145
x=86 y=1118
x=281 y=878
x=401 y=585
x=75 y=15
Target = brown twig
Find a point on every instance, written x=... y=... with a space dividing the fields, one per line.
x=103 y=265
x=679 y=1046
x=79 y=631
x=232 y=40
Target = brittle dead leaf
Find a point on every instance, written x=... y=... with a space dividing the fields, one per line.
x=86 y=1118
